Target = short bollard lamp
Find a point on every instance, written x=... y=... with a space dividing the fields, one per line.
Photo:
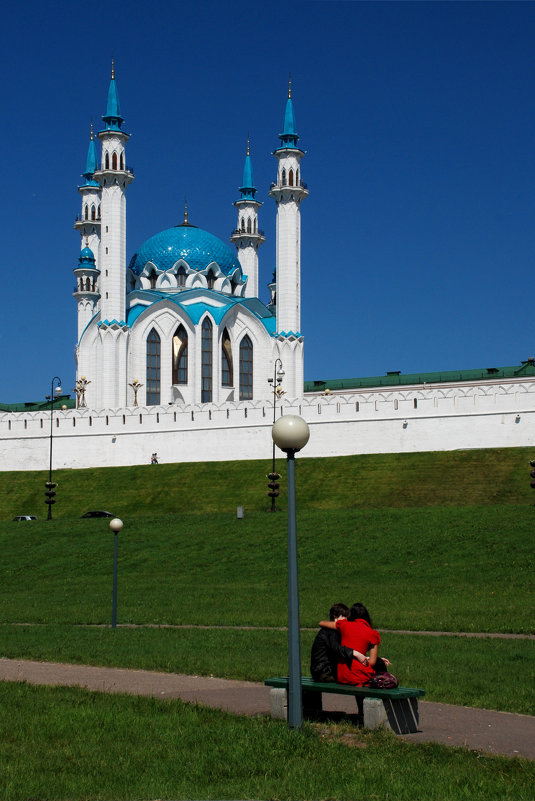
x=291 y=433
x=115 y=525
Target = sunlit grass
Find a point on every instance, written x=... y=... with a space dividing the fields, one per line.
x=62 y=743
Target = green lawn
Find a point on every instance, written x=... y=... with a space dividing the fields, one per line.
x=451 y=478
x=63 y=743
x=428 y=541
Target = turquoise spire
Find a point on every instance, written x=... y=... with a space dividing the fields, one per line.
x=248 y=189
x=113 y=118
x=289 y=135
x=91 y=163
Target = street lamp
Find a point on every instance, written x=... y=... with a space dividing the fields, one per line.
x=115 y=525
x=291 y=433
x=278 y=392
x=50 y=486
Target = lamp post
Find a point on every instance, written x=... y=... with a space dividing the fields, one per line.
x=49 y=492
x=278 y=392
x=291 y=433
x=115 y=525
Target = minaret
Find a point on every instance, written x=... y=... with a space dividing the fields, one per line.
x=288 y=192
x=88 y=224
x=86 y=293
x=248 y=237
x=113 y=177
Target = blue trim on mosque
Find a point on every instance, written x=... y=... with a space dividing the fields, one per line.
x=196 y=310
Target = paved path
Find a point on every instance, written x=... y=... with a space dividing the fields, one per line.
x=478 y=729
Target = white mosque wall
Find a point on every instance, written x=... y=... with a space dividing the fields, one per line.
x=451 y=417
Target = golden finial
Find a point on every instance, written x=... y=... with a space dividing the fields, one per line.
x=86 y=242
x=112 y=69
x=290 y=87
x=248 y=146
x=91 y=129
x=185 y=212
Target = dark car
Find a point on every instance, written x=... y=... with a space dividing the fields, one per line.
x=97 y=513
x=25 y=517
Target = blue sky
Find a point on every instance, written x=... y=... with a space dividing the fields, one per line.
x=418 y=124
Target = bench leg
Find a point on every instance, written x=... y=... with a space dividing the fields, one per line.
x=400 y=715
x=278 y=703
x=312 y=705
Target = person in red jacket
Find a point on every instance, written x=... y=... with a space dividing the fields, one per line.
x=357 y=633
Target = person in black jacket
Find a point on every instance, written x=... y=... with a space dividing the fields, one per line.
x=328 y=651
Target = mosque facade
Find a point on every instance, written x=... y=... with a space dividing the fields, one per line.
x=181 y=321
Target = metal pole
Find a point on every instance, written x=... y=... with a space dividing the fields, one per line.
x=277 y=361
x=56 y=378
x=114 y=594
x=295 y=705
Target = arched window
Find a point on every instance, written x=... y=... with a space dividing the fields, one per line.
x=210 y=279
x=255 y=225
x=99 y=211
x=180 y=356
x=283 y=179
x=206 y=361
x=93 y=212
x=153 y=277
x=88 y=284
x=297 y=177
x=114 y=161
x=291 y=178
x=122 y=161
x=153 y=368
x=227 y=378
x=249 y=229
x=86 y=212
x=246 y=369
x=243 y=223
x=107 y=161
x=181 y=276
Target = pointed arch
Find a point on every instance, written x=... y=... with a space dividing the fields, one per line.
x=153 y=368
x=107 y=161
x=180 y=356
x=227 y=372
x=122 y=161
x=93 y=212
x=283 y=176
x=207 y=357
x=114 y=160
x=210 y=279
x=246 y=368
x=249 y=229
x=291 y=178
x=181 y=276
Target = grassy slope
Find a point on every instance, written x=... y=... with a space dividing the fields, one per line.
x=456 y=478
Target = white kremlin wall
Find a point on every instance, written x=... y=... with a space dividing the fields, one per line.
x=390 y=420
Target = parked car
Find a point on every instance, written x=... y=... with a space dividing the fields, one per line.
x=25 y=517
x=98 y=513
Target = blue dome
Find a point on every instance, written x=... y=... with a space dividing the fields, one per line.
x=197 y=247
x=87 y=253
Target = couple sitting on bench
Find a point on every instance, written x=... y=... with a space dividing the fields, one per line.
x=346 y=650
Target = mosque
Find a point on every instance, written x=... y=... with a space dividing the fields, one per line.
x=182 y=323
x=176 y=353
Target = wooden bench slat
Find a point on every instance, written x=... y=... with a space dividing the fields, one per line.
x=309 y=684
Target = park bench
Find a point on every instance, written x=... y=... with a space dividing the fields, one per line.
x=396 y=708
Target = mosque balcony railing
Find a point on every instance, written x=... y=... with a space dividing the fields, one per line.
x=241 y=232
x=297 y=185
x=79 y=219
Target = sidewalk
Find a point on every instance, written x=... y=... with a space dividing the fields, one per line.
x=479 y=729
